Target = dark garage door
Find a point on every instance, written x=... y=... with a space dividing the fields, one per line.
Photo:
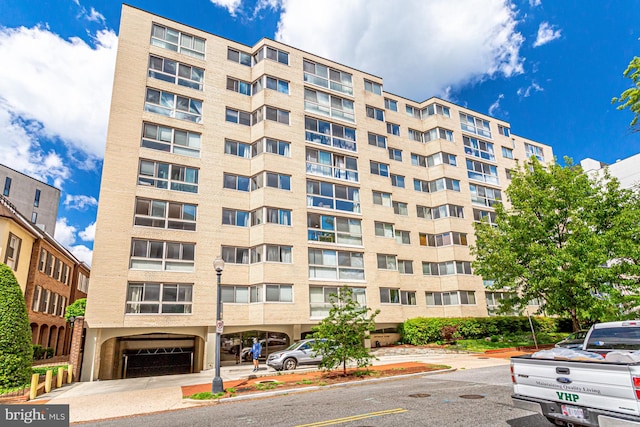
x=154 y=362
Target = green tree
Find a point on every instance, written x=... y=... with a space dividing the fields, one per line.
x=570 y=240
x=16 y=351
x=77 y=308
x=340 y=336
x=630 y=98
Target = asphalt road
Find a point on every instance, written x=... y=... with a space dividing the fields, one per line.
x=477 y=397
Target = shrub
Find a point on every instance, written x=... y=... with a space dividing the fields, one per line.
x=16 y=352
x=449 y=333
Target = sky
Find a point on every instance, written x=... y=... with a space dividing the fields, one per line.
x=550 y=68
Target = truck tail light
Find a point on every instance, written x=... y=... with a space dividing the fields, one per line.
x=636 y=386
x=513 y=378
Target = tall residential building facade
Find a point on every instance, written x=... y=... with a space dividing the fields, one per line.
x=34 y=199
x=302 y=173
x=627 y=171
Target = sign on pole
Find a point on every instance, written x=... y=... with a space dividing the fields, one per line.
x=219 y=326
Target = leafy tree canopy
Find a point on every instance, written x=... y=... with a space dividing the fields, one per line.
x=76 y=309
x=340 y=336
x=630 y=98
x=570 y=240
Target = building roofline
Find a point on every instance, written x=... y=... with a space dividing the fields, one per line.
x=30 y=177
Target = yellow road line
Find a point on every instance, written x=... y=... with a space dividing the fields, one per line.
x=354 y=418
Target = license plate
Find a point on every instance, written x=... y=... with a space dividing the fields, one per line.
x=572 y=411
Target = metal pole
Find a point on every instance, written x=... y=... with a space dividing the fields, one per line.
x=217 y=386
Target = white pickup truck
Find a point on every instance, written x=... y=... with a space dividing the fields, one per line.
x=584 y=392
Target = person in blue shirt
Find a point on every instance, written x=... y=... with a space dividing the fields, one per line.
x=256 y=349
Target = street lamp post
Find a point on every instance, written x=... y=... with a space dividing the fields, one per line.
x=216 y=384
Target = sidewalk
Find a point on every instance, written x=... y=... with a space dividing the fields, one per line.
x=98 y=400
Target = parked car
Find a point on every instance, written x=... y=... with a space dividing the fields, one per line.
x=299 y=353
x=574 y=340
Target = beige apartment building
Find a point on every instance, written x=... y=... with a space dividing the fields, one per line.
x=303 y=174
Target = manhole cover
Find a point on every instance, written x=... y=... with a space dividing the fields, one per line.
x=420 y=395
x=472 y=396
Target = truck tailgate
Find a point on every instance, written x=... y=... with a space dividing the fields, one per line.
x=607 y=386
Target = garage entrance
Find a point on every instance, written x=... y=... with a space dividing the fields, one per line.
x=157 y=361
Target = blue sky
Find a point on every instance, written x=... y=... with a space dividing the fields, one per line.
x=548 y=67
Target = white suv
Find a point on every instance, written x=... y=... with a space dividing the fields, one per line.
x=299 y=353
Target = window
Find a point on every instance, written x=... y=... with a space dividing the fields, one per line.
x=397 y=180
x=279 y=293
x=446 y=268
x=174 y=72
x=382 y=199
x=507 y=153
x=271 y=83
x=332 y=229
x=403 y=237
x=333 y=196
x=326 y=264
x=441 y=158
x=508 y=173
x=165 y=138
x=270 y=113
x=405 y=266
x=478 y=148
x=271 y=216
x=373 y=87
x=159 y=298
x=42 y=260
x=234 y=255
x=35 y=302
x=505 y=131
x=393 y=129
x=239 y=86
x=171 y=105
x=432 y=109
x=64 y=278
x=443 y=211
x=271 y=53
x=377 y=168
x=328 y=105
x=159 y=255
x=321 y=297
x=83 y=282
x=485 y=196
x=34 y=217
x=177 y=41
x=488 y=216
x=451 y=298
x=438 y=133
x=377 y=140
x=482 y=172
x=271 y=179
x=36 y=199
x=236 y=182
x=475 y=125
x=269 y=145
x=332 y=165
x=330 y=78
x=330 y=134
x=168 y=176
x=534 y=151
x=236 y=148
x=375 y=113
x=387 y=262
x=384 y=229
x=235 y=217
x=239 y=117
x=443 y=239
x=416 y=135
x=400 y=208
x=396 y=296
x=239 y=57
x=434 y=186
x=7 y=186
x=395 y=154
x=241 y=294
x=12 y=252
x=413 y=111
x=164 y=214
x=418 y=160
x=271 y=253
x=390 y=104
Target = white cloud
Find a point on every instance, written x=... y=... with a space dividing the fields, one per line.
x=526 y=92
x=535 y=3
x=89 y=233
x=546 y=33
x=62 y=86
x=231 y=5
x=80 y=202
x=419 y=47
x=95 y=16
x=495 y=106
x=66 y=236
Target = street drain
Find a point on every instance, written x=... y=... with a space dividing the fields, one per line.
x=267 y=382
x=420 y=395
x=472 y=396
